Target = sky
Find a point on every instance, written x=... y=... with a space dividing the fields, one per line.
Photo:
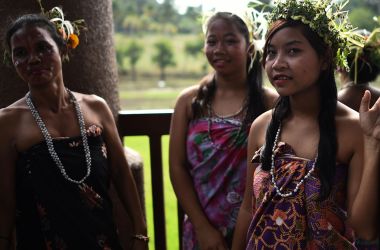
x=218 y=5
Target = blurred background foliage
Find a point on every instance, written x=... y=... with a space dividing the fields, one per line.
x=160 y=49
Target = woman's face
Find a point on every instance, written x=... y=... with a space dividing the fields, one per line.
x=225 y=47
x=292 y=64
x=35 y=55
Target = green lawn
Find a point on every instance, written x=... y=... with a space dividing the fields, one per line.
x=141 y=144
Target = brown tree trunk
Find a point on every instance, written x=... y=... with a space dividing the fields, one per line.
x=91 y=69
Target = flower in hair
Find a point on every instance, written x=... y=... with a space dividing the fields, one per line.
x=324 y=17
x=69 y=30
x=73 y=41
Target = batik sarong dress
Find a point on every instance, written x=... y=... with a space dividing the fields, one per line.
x=53 y=213
x=299 y=221
x=217 y=164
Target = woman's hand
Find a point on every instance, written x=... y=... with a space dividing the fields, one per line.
x=370 y=117
x=210 y=238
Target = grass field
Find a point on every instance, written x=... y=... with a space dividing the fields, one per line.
x=141 y=144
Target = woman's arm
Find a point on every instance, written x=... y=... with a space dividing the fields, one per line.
x=255 y=140
x=208 y=237
x=7 y=184
x=121 y=173
x=363 y=202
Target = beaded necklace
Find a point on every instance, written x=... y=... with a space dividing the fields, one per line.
x=49 y=140
x=209 y=123
x=278 y=190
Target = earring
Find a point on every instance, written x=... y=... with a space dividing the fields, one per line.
x=16 y=63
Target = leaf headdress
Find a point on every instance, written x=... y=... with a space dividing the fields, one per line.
x=370 y=52
x=326 y=18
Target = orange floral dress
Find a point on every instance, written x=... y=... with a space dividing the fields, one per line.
x=299 y=221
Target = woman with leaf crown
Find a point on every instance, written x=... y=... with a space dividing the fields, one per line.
x=312 y=182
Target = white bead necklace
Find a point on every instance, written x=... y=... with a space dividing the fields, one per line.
x=209 y=123
x=49 y=140
x=278 y=190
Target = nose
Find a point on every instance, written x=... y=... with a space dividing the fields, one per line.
x=279 y=62
x=219 y=48
x=34 y=58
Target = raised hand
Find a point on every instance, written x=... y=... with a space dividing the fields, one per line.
x=370 y=116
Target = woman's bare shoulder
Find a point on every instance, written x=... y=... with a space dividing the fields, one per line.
x=188 y=93
x=347 y=124
x=261 y=123
x=184 y=101
x=271 y=97
x=11 y=116
x=345 y=114
x=258 y=129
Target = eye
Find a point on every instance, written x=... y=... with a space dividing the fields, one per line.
x=294 y=51
x=231 y=41
x=210 y=42
x=271 y=53
x=44 y=47
x=19 y=53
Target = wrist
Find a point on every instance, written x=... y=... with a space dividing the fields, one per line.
x=141 y=237
x=372 y=143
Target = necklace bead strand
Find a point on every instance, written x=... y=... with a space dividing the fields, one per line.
x=279 y=190
x=49 y=140
x=209 y=122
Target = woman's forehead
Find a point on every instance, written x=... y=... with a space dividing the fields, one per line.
x=287 y=35
x=30 y=33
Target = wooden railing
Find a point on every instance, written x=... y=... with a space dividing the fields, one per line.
x=154 y=124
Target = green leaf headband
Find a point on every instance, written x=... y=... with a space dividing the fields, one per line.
x=370 y=52
x=327 y=19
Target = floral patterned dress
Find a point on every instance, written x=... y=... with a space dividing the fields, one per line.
x=217 y=164
x=299 y=221
x=53 y=213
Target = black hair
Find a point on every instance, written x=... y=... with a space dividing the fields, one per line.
x=327 y=147
x=32 y=20
x=367 y=70
x=255 y=101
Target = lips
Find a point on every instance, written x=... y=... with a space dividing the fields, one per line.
x=219 y=62
x=37 y=71
x=280 y=79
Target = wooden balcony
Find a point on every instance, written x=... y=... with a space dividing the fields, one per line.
x=154 y=124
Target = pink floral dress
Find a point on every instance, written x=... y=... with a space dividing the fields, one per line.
x=218 y=168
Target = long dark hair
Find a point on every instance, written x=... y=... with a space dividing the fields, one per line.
x=32 y=20
x=255 y=100
x=327 y=147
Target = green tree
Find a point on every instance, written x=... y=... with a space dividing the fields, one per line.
x=133 y=51
x=362 y=18
x=164 y=56
x=120 y=55
x=194 y=48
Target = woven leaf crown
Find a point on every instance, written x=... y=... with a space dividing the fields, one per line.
x=324 y=17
